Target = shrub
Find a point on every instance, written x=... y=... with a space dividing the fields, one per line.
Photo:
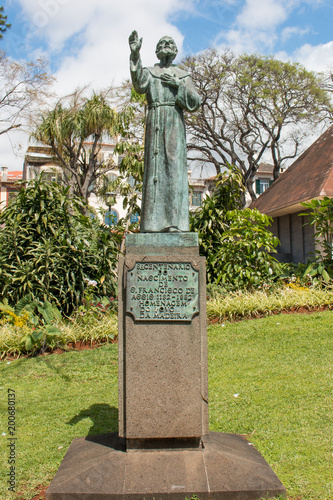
x=210 y=219
x=320 y=215
x=244 y=258
x=48 y=248
x=235 y=242
x=312 y=274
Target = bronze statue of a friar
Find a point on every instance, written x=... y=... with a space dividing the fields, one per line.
x=169 y=91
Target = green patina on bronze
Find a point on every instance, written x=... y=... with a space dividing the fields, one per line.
x=162 y=240
x=169 y=91
x=162 y=291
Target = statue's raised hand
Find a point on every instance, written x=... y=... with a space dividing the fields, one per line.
x=135 y=44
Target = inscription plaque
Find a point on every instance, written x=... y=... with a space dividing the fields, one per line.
x=162 y=291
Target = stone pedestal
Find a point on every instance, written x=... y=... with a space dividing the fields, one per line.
x=226 y=468
x=163 y=391
x=163 y=449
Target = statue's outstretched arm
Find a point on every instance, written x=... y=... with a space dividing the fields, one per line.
x=135 y=46
x=139 y=75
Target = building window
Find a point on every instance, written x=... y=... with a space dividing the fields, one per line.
x=134 y=218
x=196 y=199
x=112 y=184
x=120 y=159
x=12 y=194
x=52 y=176
x=111 y=218
x=106 y=155
x=131 y=181
x=112 y=177
x=262 y=185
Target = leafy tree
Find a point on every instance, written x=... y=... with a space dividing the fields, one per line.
x=131 y=153
x=252 y=106
x=320 y=215
x=318 y=271
x=23 y=87
x=235 y=242
x=3 y=22
x=69 y=127
x=137 y=108
x=209 y=220
x=48 y=248
x=244 y=258
x=129 y=181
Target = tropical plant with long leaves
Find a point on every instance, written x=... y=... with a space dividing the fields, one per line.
x=75 y=129
x=320 y=215
x=48 y=248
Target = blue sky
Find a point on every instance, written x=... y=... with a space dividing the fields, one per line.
x=85 y=41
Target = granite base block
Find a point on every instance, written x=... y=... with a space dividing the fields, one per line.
x=163 y=380
x=226 y=468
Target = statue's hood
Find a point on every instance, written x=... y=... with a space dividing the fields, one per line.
x=157 y=71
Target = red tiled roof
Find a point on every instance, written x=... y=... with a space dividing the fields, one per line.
x=13 y=175
x=310 y=176
x=266 y=168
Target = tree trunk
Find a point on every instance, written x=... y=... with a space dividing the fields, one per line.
x=249 y=186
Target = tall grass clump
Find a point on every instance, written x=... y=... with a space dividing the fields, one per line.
x=243 y=304
x=73 y=330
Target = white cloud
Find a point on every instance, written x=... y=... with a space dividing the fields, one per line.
x=315 y=58
x=95 y=35
x=247 y=41
x=262 y=14
x=105 y=55
x=13 y=147
x=260 y=24
x=255 y=26
x=89 y=42
x=291 y=31
x=55 y=20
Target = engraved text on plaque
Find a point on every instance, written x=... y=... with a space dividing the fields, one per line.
x=162 y=291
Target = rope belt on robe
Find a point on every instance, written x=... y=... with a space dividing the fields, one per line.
x=158 y=104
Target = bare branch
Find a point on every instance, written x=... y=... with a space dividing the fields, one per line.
x=24 y=88
x=252 y=107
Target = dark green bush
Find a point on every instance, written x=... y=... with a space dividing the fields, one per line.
x=210 y=219
x=50 y=249
x=244 y=258
x=318 y=271
x=236 y=243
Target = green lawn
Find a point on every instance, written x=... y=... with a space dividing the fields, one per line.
x=280 y=367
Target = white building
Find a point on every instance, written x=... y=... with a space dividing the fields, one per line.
x=39 y=159
x=199 y=189
x=8 y=185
